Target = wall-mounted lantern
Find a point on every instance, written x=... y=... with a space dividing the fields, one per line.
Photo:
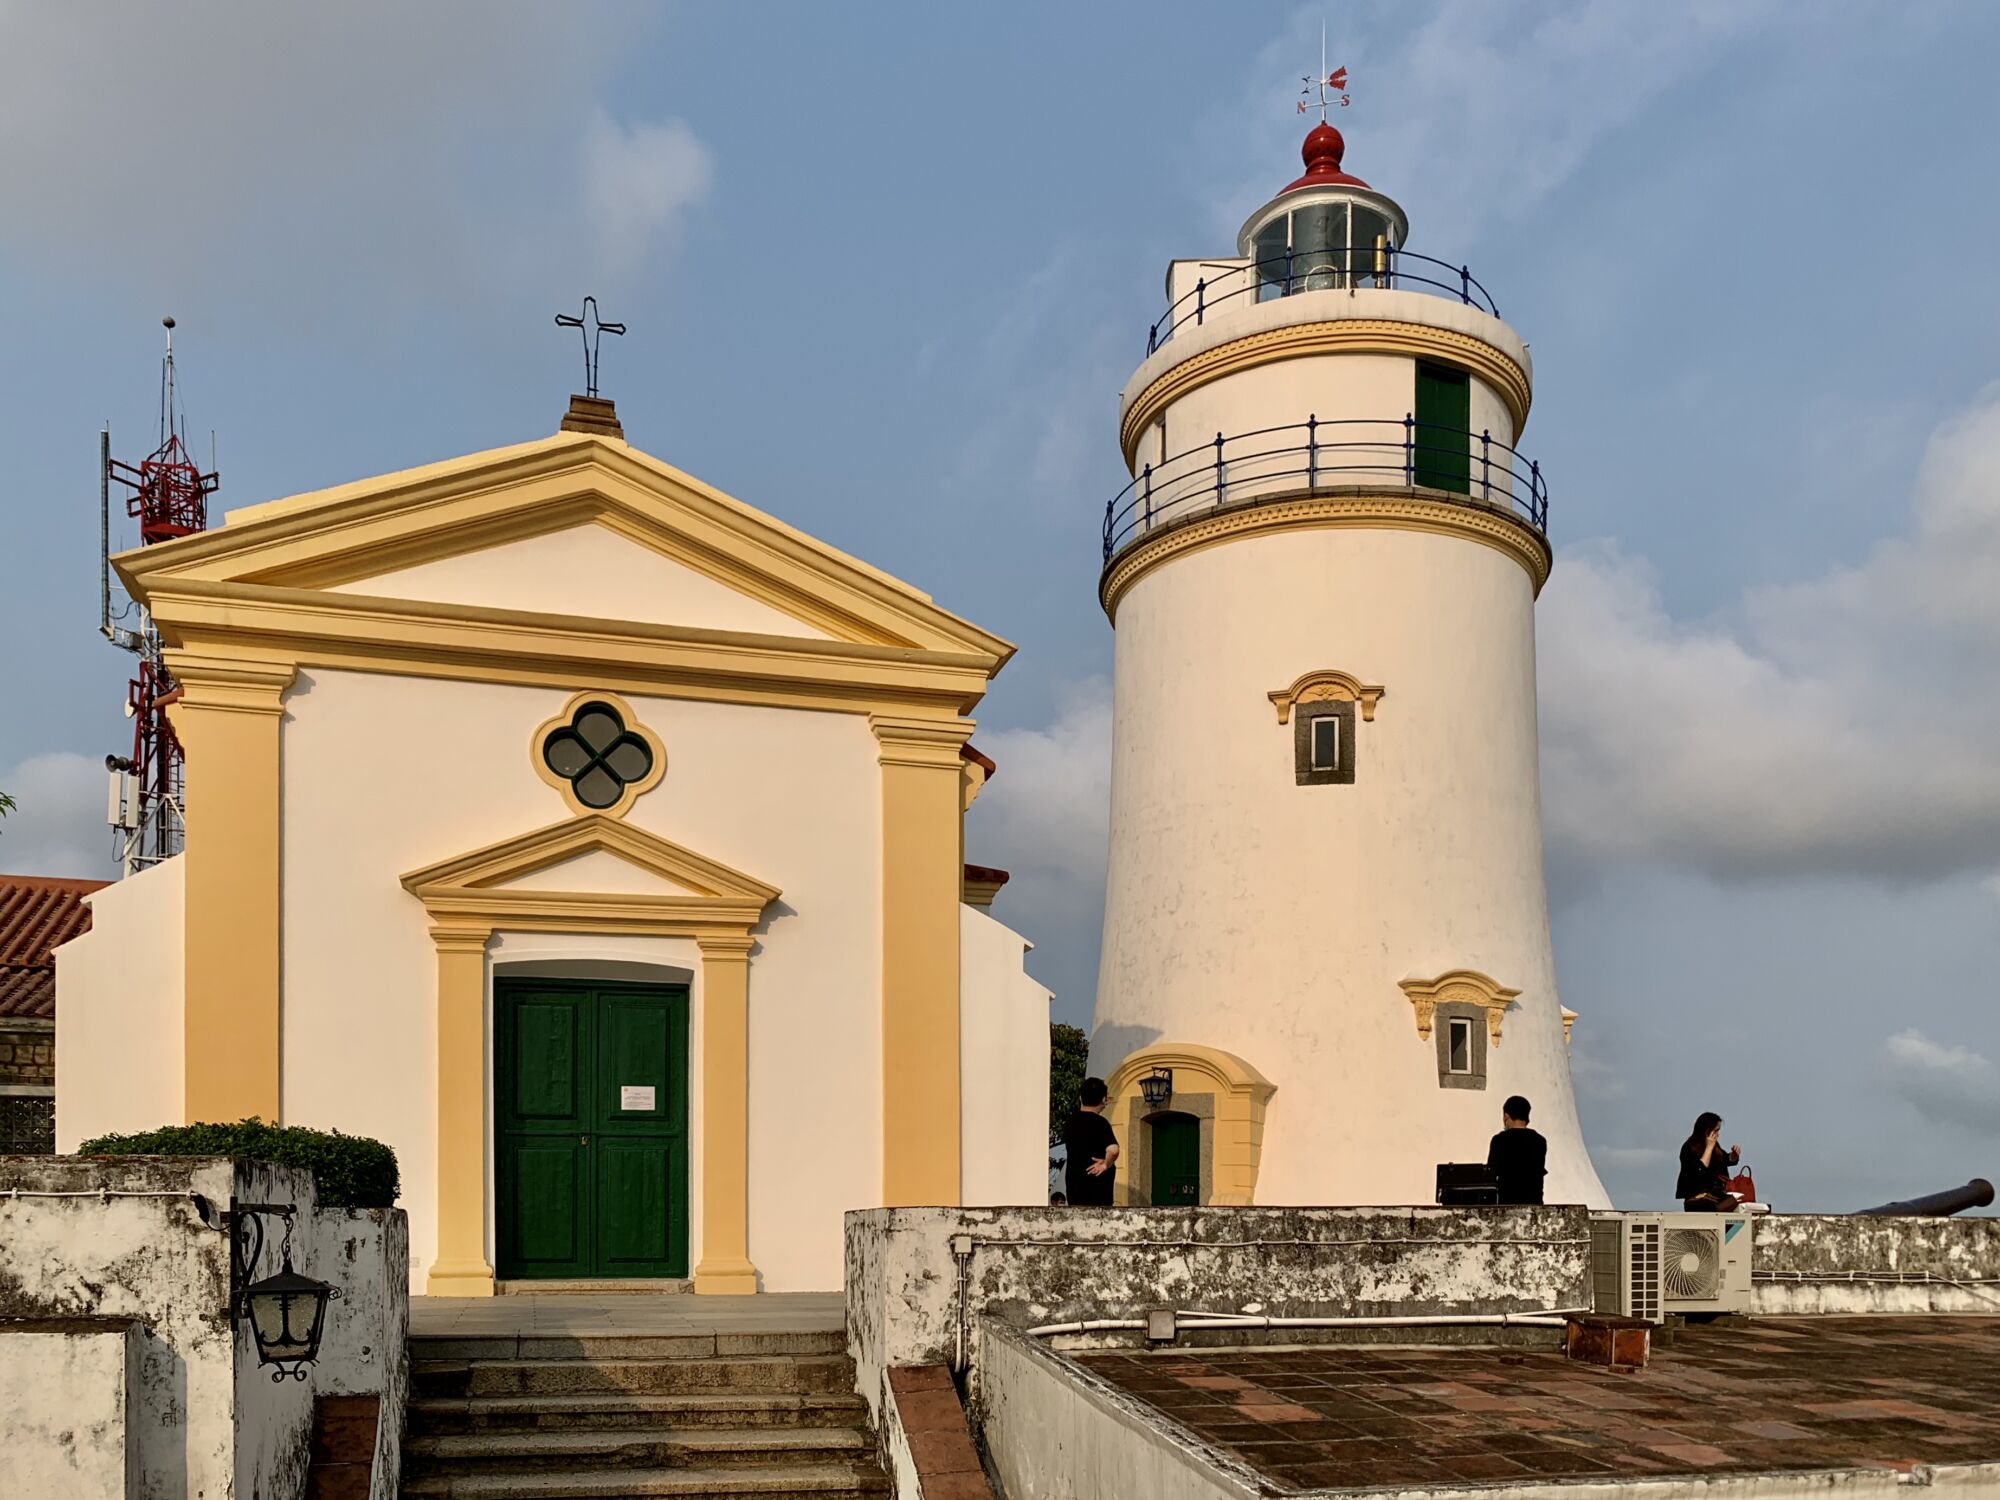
x=1157 y=1087
x=286 y=1312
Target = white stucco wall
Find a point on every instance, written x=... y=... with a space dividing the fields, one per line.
x=1003 y=1049
x=586 y=570
x=65 y=1389
x=790 y=797
x=1274 y=920
x=140 y=1239
x=119 y=1029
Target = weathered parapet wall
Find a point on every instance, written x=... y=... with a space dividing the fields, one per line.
x=1850 y=1263
x=137 y=1239
x=365 y=1252
x=1030 y=1266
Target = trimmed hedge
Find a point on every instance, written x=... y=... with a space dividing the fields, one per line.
x=351 y=1170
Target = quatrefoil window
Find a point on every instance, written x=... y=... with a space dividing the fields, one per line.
x=597 y=754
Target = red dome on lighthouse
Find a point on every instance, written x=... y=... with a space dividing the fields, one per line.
x=1322 y=151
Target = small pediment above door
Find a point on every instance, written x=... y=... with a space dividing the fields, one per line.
x=596 y=870
x=591 y=873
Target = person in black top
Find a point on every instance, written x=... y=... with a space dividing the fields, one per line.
x=1703 y=1185
x=1092 y=1167
x=1518 y=1155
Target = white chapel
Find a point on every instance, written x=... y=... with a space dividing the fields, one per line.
x=593 y=839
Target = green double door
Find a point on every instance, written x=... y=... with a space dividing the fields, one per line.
x=590 y=1129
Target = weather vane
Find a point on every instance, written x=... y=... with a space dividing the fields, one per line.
x=593 y=333
x=1336 y=80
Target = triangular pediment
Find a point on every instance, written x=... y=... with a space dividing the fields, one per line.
x=440 y=534
x=590 y=858
x=581 y=572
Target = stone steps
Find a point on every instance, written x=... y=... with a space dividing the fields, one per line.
x=617 y=1410
x=630 y=1484
x=636 y=1448
x=765 y=1374
x=552 y=1415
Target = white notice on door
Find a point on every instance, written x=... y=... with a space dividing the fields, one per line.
x=635 y=1096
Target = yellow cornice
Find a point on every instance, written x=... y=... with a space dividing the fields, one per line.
x=479 y=872
x=1328 y=684
x=1337 y=336
x=1461 y=986
x=355 y=532
x=1389 y=509
x=289 y=628
x=926 y=743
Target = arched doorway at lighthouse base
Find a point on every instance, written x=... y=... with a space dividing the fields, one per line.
x=1213 y=1113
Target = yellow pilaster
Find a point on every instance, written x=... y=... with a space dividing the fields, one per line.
x=922 y=869
x=725 y=1265
x=461 y=1268
x=227 y=719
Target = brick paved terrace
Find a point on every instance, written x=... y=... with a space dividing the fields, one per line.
x=1769 y=1395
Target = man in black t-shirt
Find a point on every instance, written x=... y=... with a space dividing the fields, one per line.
x=1518 y=1156
x=1092 y=1146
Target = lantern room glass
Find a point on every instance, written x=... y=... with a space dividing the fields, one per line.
x=1322 y=245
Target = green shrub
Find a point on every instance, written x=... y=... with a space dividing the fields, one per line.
x=351 y=1170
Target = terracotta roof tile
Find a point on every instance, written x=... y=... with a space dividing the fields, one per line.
x=38 y=913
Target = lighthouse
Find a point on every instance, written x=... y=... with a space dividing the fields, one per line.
x=1326 y=956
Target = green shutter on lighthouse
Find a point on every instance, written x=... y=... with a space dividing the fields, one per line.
x=1443 y=433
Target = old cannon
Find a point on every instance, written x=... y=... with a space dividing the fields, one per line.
x=1975 y=1194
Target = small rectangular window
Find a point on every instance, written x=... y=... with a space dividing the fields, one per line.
x=1326 y=743
x=1460 y=1045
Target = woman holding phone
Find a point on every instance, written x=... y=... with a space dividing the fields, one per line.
x=1703 y=1185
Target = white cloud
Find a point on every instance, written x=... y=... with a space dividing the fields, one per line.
x=1045 y=819
x=370 y=153
x=1947 y=1085
x=1819 y=727
x=1488 y=105
x=1591 y=1075
x=57 y=826
x=639 y=180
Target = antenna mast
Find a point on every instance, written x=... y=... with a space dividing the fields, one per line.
x=168 y=495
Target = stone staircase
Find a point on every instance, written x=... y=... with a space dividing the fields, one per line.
x=527 y=1417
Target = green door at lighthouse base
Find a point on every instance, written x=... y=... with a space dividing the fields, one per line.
x=1176 y=1147
x=590 y=1145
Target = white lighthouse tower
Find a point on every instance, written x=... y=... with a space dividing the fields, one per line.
x=1326 y=942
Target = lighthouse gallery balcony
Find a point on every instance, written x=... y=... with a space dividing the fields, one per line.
x=1273 y=464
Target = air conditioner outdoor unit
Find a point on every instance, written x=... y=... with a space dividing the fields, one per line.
x=1646 y=1265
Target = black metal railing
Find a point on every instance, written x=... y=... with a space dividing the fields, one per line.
x=1275 y=462
x=1381 y=267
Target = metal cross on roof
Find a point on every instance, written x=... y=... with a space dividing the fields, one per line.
x=1336 y=81
x=593 y=332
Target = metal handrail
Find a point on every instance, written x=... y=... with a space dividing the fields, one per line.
x=1274 y=462
x=1334 y=269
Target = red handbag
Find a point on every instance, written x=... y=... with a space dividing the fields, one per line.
x=1744 y=1187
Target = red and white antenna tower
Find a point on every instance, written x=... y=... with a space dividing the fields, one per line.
x=168 y=495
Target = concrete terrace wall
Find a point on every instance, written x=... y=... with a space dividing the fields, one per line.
x=1030 y=1266
x=1054 y=1429
x=1848 y=1263
x=138 y=1239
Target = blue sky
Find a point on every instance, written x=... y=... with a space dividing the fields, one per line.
x=886 y=268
